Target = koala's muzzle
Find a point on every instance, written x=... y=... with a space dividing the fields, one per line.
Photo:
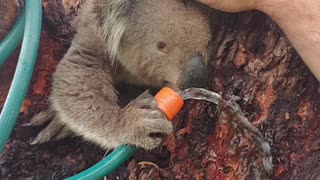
x=195 y=73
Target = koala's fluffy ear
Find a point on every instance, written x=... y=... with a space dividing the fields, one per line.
x=112 y=17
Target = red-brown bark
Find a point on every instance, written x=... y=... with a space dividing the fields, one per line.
x=251 y=59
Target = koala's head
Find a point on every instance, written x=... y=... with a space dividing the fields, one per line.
x=159 y=41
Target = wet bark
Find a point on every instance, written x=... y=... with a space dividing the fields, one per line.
x=251 y=59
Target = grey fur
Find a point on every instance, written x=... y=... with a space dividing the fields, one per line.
x=83 y=97
x=112 y=19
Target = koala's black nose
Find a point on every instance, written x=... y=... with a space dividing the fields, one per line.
x=195 y=73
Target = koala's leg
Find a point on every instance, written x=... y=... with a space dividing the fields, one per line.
x=84 y=100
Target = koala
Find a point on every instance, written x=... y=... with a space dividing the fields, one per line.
x=152 y=43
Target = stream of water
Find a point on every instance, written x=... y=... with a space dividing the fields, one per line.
x=238 y=120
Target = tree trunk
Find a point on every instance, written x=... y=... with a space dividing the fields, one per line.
x=251 y=59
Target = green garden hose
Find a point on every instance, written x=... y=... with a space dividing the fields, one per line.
x=107 y=165
x=30 y=22
x=13 y=38
x=22 y=76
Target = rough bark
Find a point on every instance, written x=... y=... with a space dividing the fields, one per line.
x=251 y=59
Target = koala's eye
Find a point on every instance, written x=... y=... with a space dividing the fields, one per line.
x=161 y=45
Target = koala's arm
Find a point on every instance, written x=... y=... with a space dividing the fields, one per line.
x=83 y=95
x=85 y=100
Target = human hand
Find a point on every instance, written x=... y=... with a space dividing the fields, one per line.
x=230 y=5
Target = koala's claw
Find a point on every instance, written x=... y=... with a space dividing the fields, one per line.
x=54 y=131
x=48 y=133
x=41 y=118
x=154 y=133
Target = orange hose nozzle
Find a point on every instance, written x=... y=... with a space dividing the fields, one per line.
x=169 y=102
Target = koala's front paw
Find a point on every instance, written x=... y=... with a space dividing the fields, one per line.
x=146 y=126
